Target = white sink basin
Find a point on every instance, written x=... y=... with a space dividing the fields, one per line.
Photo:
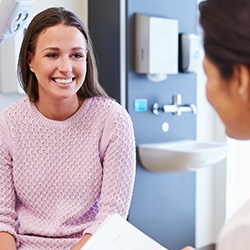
x=181 y=155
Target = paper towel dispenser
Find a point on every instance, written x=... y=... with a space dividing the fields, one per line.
x=156 y=45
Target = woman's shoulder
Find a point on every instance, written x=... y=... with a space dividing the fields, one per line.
x=236 y=231
x=241 y=216
x=108 y=104
x=16 y=111
x=19 y=104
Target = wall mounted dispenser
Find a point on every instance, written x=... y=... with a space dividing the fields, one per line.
x=191 y=53
x=156 y=46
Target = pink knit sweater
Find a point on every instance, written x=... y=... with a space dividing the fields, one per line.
x=60 y=179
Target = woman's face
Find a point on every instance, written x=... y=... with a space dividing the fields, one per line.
x=223 y=94
x=59 y=62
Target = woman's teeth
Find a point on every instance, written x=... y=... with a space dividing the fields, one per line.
x=63 y=81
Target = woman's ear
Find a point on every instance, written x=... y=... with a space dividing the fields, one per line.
x=29 y=61
x=242 y=74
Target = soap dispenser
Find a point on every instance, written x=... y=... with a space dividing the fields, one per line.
x=191 y=53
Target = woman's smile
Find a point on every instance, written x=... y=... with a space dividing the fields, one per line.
x=64 y=81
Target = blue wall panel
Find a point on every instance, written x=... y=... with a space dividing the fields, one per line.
x=163 y=204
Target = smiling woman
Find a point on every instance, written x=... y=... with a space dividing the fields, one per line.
x=67 y=150
x=41 y=24
x=59 y=65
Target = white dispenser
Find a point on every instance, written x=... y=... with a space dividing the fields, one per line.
x=156 y=46
x=192 y=53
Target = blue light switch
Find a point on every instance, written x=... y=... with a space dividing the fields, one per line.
x=140 y=105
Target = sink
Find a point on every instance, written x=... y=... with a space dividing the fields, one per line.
x=183 y=155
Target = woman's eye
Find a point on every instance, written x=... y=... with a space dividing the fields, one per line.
x=52 y=55
x=77 y=55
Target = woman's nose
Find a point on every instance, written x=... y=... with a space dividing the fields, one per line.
x=65 y=64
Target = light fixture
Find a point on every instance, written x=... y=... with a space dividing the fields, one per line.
x=14 y=14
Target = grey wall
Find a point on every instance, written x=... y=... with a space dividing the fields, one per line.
x=163 y=205
x=8 y=99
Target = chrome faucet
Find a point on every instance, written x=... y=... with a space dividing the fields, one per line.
x=176 y=108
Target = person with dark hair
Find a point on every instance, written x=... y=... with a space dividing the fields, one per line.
x=67 y=150
x=226 y=25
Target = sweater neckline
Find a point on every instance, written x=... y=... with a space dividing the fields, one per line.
x=40 y=119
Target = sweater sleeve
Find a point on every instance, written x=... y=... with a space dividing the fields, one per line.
x=7 y=195
x=117 y=149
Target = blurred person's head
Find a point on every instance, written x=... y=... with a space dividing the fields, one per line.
x=226 y=26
